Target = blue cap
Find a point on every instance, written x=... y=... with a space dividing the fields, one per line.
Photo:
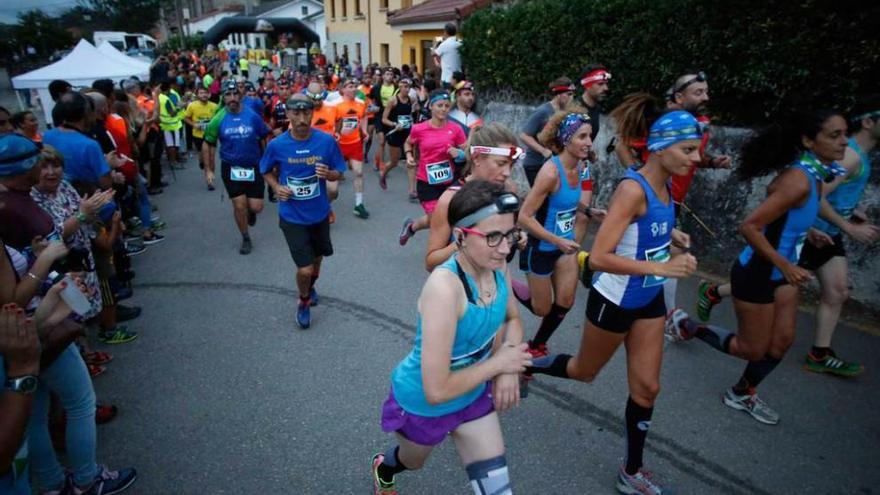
x=671 y=128
x=18 y=155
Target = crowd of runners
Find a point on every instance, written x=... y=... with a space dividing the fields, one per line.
x=75 y=204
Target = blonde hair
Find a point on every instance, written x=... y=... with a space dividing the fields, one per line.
x=491 y=134
x=51 y=154
x=547 y=136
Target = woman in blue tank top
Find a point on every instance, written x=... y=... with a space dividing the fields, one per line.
x=765 y=277
x=632 y=260
x=555 y=216
x=468 y=334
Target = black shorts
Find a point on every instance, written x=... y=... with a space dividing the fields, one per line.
x=253 y=189
x=754 y=286
x=307 y=242
x=537 y=262
x=608 y=316
x=813 y=257
x=197 y=143
x=428 y=192
x=397 y=139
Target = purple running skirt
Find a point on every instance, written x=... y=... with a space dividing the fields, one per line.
x=425 y=430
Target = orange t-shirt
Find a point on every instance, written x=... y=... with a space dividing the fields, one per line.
x=324 y=119
x=147 y=105
x=351 y=113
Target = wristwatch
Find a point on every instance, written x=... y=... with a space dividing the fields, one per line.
x=81 y=217
x=25 y=385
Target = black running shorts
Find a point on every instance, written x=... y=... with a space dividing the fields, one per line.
x=242 y=185
x=608 y=316
x=813 y=257
x=307 y=242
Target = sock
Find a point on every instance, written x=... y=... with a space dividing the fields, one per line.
x=549 y=324
x=522 y=293
x=820 y=352
x=553 y=365
x=391 y=465
x=304 y=300
x=755 y=373
x=638 y=420
x=358 y=198
x=669 y=289
x=715 y=336
x=245 y=236
x=489 y=477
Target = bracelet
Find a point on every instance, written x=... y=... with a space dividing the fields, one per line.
x=31 y=275
x=82 y=217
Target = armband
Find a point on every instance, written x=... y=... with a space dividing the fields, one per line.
x=461 y=157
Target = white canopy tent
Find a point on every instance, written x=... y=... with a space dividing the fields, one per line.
x=111 y=51
x=82 y=66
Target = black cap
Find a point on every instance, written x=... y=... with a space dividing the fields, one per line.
x=230 y=85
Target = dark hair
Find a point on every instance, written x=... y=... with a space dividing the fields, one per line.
x=430 y=85
x=591 y=67
x=104 y=86
x=475 y=194
x=72 y=107
x=458 y=75
x=560 y=81
x=450 y=28
x=635 y=115
x=4 y=110
x=120 y=95
x=864 y=104
x=18 y=118
x=57 y=88
x=774 y=147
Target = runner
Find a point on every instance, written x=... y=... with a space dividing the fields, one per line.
x=594 y=80
x=468 y=333
x=562 y=90
x=765 y=277
x=198 y=114
x=351 y=128
x=463 y=113
x=492 y=151
x=398 y=119
x=251 y=100
x=323 y=116
x=550 y=216
x=381 y=94
x=438 y=142
x=297 y=165
x=278 y=121
x=632 y=259
x=241 y=134
x=824 y=251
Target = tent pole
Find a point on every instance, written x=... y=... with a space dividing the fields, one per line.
x=20 y=103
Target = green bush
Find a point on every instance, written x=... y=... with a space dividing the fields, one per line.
x=760 y=56
x=173 y=44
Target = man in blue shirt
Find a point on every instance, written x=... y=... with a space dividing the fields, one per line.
x=242 y=137
x=297 y=166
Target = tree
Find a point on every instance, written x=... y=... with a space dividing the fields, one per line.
x=133 y=16
x=45 y=34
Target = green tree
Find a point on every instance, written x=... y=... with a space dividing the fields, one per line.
x=45 y=34
x=133 y=16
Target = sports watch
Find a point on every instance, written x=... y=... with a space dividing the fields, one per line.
x=25 y=385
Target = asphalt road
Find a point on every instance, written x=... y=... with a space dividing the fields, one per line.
x=223 y=394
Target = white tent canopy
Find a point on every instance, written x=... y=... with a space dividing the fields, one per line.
x=111 y=51
x=82 y=66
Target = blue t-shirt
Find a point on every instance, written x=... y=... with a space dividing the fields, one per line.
x=17 y=480
x=254 y=103
x=83 y=160
x=239 y=136
x=296 y=161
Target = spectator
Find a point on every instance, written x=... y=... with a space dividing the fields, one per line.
x=446 y=54
x=26 y=124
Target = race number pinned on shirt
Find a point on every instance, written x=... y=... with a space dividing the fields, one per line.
x=659 y=254
x=242 y=174
x=565 y=222
x=349 y=124
x=304 y=188
x=798 y=247
x=439 y=173
x=585 y=173
x=404 y=121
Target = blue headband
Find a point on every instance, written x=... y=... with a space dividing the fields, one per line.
x=570 y=125
x=436 y=98
x=671 y=128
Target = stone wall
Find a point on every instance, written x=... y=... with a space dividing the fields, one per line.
x=720 y=201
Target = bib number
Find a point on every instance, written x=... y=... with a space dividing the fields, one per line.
x=404 y=121
x=565 y=222
x=349 y=124
x=439 y=172
x=659 y=254
x=799 y=245
x=241 y=174
x=305 y=188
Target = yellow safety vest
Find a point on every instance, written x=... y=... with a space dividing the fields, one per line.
x=168 y=121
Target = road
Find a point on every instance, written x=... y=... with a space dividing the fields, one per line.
x=223 y=394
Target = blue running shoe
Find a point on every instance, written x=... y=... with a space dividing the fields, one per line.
x=313 y=297
x=303 y=315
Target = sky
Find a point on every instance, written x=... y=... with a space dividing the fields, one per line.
x=9 y=10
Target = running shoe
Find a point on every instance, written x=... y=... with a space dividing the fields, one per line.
x=133 y=223
x=109 y=482
x=303 y=315
x=246 y=247
x=751 y=404
x=673 y=329
x=95 y=370
x=641 y=483
x=211 y=186
x=118 y=335
x=833 y=365
x=383 y=182
x=158 y=225
x=154 y=217
x=538 y=350
x=135 y=249
x=361 y=212
x=97 y=357
x=406 y=231
x=705 y=301
x=413 y=197
x=105 y=414
x=154 y=239
x=584 y=271
x=313 y=297
x=380 y=487
x=252 y=218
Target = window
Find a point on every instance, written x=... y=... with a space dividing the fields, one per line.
x=344 y=9
x=333 y=9
x=412 y=56
x=357 y=8
x=383 y=4
x=357 y=52
x=305 y=10
x=384 y=49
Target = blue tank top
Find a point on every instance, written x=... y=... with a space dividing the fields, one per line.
x=474 y=335
x=557 y=214
x=787 y=233
x=646 y=239
x=846 y=196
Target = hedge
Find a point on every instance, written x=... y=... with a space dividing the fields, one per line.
x=760 y=56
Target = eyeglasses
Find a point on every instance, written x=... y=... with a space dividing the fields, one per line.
x=493 y=239
x=700 y=77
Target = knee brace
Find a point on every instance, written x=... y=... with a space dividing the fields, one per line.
x=489 y=476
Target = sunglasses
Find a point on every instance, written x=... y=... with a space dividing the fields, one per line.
x=493 y=239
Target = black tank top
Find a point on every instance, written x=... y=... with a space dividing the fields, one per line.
x=403 y=110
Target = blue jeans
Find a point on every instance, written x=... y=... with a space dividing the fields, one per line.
x=145 y=209
x=69 y=378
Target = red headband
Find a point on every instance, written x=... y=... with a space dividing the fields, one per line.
x=561 y=89
x=595 y=76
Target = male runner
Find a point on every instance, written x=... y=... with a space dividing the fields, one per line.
x=381 y=94
x=351 y=128
x=463 y=113
x=562 y=90
x=198 y=114
x=242 y=137
x=297 y=165
x=594 y=80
